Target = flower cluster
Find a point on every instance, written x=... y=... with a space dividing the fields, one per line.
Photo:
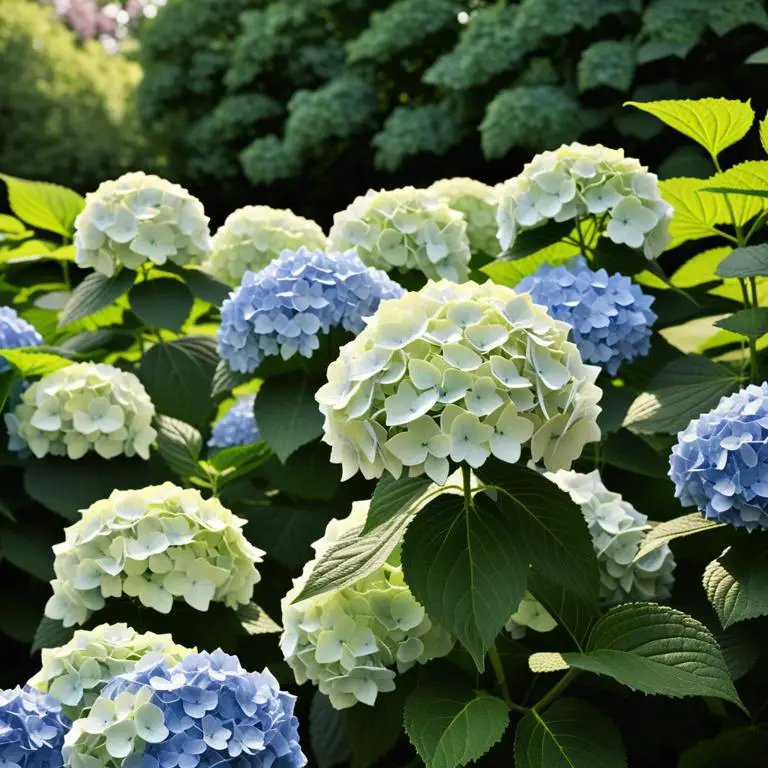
x=477 y=202
x=458 y=372
x=157 y=544
x=237 y=426
x=206 y=711
x=32 y=728
x=253 y=236
x=140 y=217
x=610 y=315
x=75 y=673
x=15 y=332
x=347 y=641
x=83 y=407
x=617 y=531
x=530 y=614
x=406 y=229
x=577 y=181
x=282 y=309
x=720 y=461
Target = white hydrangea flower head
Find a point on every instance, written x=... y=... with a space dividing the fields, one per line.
x=253 y=236
x=577 y=180
x=139 y=218
x=352 y=642
x=84 y=407
x=158 y=544
x=477 y=202
x=455 y=373
x=76 y=673
x=530 y=614
x=617 y=531
x=404 y=229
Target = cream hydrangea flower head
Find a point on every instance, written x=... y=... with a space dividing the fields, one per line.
x=352 y=642
x=76 y=673
x=253 y=236
x=587 y=181
x=84 y=407
x=158 y=544
x=139 y=218
x=406 y=229
x=530 y=614
x=455 y=373
x=477 y=202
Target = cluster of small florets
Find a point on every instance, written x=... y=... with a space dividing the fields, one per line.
x=158 y=544
x=404 y=229
x=720 y=461
x=206 y=711
x=455 y=373
x=301 y=294
x=351 y=642
x=15 y=332
x=76 y=673
x=617 y=531
x=530 y=614
x=80 y=408
x=237 y=426
x=577 y=181
x=253 y=236
x=140 y=218
x=610 y=316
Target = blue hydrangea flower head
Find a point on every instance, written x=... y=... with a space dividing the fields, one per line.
x=282 y=309
x=610 y=316
x=32 y=728
x=720 y=461
x=15 y=332
x=204 y=712
x=237 y=426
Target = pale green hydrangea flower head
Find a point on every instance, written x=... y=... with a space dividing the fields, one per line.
x=84 y=407
x=477 y=202
x=253 y=236
x=530 y=614
x=76 y=673
x=457 y=373
x=352 y=642
x=159 y=544
x=579 y=181
x=404 y=229
x=139 y=218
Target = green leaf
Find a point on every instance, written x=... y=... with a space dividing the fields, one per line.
x=327 y=735
x=96 y=292
x=737 y=191
x=696 y=214
x=240 y=460
x=751 y=261
x=6 y=384
x=742 y=747
x=179 y=444
x=161 y=303
x=736 y=583
x=677 y=528
x=451 y=724
x=764 y=133
x=51 y=634
x=713 y=123
x=702 y=268
x=393 y=496
x=255 y=620
x=27 y=545
x=742 y=180
x=741 y=649
x=178 y=377
x=531 y=241
x=467 y=567
x=287 y=414
x=569 y=734
x=11 y=225
x=225 y=380
x=43 y=205
x=629 y=451
x=752 y=322
x=659 y=650
x=29 y=363
x=510 y=273
x=205 y=287
x=306 y=474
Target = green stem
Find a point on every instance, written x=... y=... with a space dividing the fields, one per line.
x=555 y=690
x=582 y=243
x=753 y=285
x=754 y=372
x=466 y=474
x=755 y=224
x=501 y=679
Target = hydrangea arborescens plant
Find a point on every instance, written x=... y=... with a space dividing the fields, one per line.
x=720 y=461
x=206 y=711
x=76 y=673
x=237 y=426
x=283 y=309
x=455 y=373
x=578 y=182
x=80 y=408
x=405 y=229
x=15 y=332
x=352 y=642
x=610 y=315
x=139 y=218
x=32 y=728
x=253 y=236
x=158 y=544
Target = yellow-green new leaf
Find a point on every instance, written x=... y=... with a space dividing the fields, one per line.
x=752 y=178
x=43 y=205
x=696 y=213
x=764 y=133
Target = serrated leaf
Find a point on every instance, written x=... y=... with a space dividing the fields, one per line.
x=30 y=363
x=51 y=634
x=161 y=303
x=96 y=292
x=702 y=268
x=764 y=133
x=239 y=460
x=742 y=747
x=659 y=650
x=179 y=444
x=751 y=261
x=327 y=735
x=43 y=205
x=531 y=241
x=752 y=322
x=392 y=496
x=741 y=649
x=255 y=620
x=452 y=724
x=569 y=734
x=713 y=123
x=225 y=380
x=11 y=225
x=743 y=179
x=510 y=273
x=696 y=214
x=677 y=528
x=205 y=287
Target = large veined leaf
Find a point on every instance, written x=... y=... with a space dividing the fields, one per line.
x=30 y=362
x=702 y=268
x=751 y=261
x=255 y=620
x=43 y=205
x=161 y=303
x=51 y=634
x=746 y=184
x=696 y=212
x=392 y=496
x=96 y=292
x=179 y=444
x=677 y=528
x=740 y=747
x=752 y=322
x=510 y=273
x=327 y=735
